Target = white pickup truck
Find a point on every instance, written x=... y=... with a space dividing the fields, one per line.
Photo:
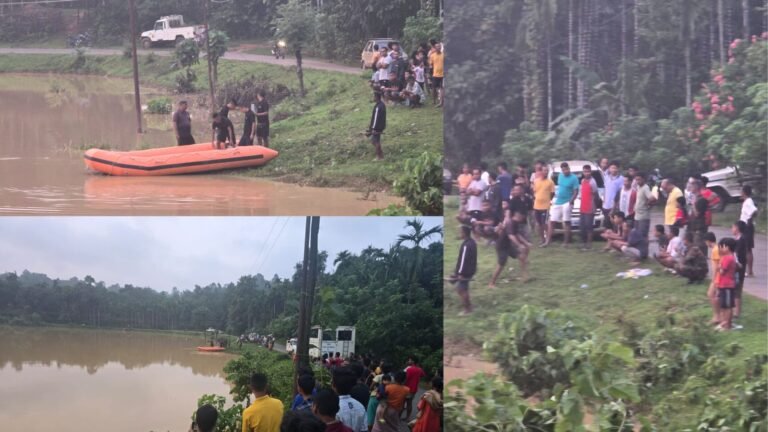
x=171 y=28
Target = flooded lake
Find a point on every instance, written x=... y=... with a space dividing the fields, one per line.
x=47 y=122
x=71 y=380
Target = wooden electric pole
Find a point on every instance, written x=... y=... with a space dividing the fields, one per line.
x=134 y=58
x=208 y=55
x=306 y=299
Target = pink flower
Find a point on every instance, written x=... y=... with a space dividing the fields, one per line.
x=735 y=43
x=714 y=100
x=702 y=127
x=715 y=107
x=754 y=38
x=764 y=35
x=730 y=98
x=699 y=116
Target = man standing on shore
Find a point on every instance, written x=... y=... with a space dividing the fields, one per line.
x=262 y=119
x=182 y=125
x=378 y=124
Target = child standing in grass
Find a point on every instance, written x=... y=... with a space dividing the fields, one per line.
x=726 y=285
x=714 y=258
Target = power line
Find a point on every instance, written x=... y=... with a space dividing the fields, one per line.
x=266 y=241
x=273 y=244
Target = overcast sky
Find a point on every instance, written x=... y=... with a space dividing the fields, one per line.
x=164 y=252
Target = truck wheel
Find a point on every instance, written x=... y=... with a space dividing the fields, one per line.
x=146 y=43
x=179 y=39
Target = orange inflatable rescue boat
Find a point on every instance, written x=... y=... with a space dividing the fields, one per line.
x=188 y=159
x=210 y=348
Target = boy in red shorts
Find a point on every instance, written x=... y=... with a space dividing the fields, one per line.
x=726 y=285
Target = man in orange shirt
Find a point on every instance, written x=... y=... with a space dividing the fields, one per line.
x=437 y=61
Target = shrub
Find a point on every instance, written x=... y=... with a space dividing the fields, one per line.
x=421 y=184
x=185 y=81
x=159 y=106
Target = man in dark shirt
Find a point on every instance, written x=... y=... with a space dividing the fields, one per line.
x=520 y=203
x=223 y=130
x=248 y=130
x=697 y=220
x=377 y=125
x=182 y=125
x=466 y=266
x=493 y=197
x=505 y=181
x=359 y=392
x=232 y=104
x=262 y=119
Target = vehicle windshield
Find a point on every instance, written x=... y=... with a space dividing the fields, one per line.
x=159 y=25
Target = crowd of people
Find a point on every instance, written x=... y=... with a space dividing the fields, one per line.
x=223 y=134
x=399 y=79
x=364 y=396
x=503 y=209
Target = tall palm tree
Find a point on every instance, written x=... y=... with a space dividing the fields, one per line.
x=416 y=236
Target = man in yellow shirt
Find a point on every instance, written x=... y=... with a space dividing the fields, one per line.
x=266 y=412
x=437 y=61
x=543 y=191
x=673 y=193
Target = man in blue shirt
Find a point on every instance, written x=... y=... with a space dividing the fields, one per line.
x=505 y=181
x=613 y=184
x=567 y=190
x=306 y=389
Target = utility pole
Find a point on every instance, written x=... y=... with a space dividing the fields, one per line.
x=136 y=95
x=306 y=299
x=208 y=54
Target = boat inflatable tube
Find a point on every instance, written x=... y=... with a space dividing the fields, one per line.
x=188 y=159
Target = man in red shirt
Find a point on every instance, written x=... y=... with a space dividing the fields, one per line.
x=413 y=374
x=587 y=209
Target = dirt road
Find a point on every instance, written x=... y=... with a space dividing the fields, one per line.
x=232 y=55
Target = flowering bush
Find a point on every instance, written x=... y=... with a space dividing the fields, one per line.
x=730 y=110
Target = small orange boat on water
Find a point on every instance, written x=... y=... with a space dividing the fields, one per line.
x=210 y=348
x=188 y=159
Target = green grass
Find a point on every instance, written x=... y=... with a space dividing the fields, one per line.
x=321 y=140
x=559 y=275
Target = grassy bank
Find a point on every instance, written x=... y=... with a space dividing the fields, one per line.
x=582 y=286
x=320 y=137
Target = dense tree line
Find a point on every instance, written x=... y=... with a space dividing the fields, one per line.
x=566 y=74
x=345 y=25
x=393 y=296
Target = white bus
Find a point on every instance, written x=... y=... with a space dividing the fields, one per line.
x=330 y=341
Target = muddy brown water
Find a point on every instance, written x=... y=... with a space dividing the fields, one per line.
x=47 y=122
x=72 y=380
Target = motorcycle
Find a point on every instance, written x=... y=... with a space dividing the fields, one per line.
x=278 y=50
x=80 y=40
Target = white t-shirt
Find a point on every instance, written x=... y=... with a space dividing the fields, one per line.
x=418 y=72
x=624 y=197
x=484 y=177
x=475 y=202
x=352 y=414
x=675 y=247
x=748 y=208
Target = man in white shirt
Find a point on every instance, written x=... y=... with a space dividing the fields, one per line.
x=351 y=412
x=748 y=213
x=475 y=193
x=413 y=94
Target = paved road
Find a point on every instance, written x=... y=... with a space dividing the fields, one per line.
x=233 y=55
x=756 y=286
